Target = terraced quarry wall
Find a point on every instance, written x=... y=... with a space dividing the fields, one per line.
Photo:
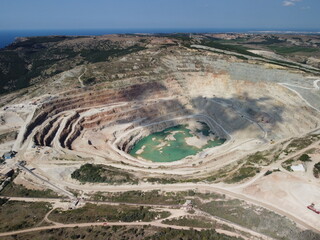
x=239 y=101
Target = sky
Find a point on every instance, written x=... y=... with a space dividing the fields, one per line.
x=160 y=14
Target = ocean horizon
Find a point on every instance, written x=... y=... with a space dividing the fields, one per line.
x=8 y=36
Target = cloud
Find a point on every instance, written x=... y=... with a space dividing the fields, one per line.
x=306 y=8
x=289 y=3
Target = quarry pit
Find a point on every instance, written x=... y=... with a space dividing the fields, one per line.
x=175 y=119
x=249 y=112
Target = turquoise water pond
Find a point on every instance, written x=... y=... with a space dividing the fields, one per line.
x=170 y=144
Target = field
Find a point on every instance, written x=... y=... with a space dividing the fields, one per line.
x=103 y=213
x=21 y=215
x=130 y=233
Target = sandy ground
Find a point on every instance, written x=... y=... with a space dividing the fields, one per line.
x=200 y=140
x=140 y=151
x=268 y=54
x=287 y=192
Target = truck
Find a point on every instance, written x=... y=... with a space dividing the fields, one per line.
x=313 y=208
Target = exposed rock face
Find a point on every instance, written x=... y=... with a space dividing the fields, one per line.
x=239 y=101
x=314 y=61
x=165 y=84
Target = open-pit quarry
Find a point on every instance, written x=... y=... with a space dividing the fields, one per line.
x=175 y=119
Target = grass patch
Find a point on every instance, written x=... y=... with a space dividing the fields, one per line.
x=229 y=47
x=269 y=40
x=153 y=197
x=301 y=143
x=243 y=173
x=121 y=233
x=16 y=215
x=255 y=218
x=102 y=174
x=103 y=213
x=289 y=50
x=36 y=40
x=162 y=180
x=16 y=190
x=287 y=164
x=95 y=55
x=15 y=77
x=175 y=234
x=251 y=166
x=195 y=222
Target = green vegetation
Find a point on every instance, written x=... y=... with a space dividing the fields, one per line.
x=14 y=190
x=96 y=55
x=251 y=166
x=16 y=215
x=268 y=40
x=121 y=233
x=3 y=201
x=16 y=70
x=287 y=164
x=37 y=40
x=87 y=233
x=195 y=222
x=94 y=213
x=255 y=218
x=270 y=172
x=17 y=75
x=305 y=158
x=288 y=50
x=9 y=136
x=316 y=170
x=103 y=174
x=243 y=173
x=229 y=47
x=162 y=180
x=173 y=234
x=40 y=58
x=247 y=167
x=250 y=216
x=89 y=81
x=184 y=38
x=151 y=197
x=301 y=143
x=242 y=49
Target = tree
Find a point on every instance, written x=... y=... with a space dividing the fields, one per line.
x=305 y=158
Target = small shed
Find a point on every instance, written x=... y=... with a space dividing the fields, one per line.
x=298 y=168
x=9 y=155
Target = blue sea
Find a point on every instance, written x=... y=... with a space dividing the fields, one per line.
x=8 y=36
